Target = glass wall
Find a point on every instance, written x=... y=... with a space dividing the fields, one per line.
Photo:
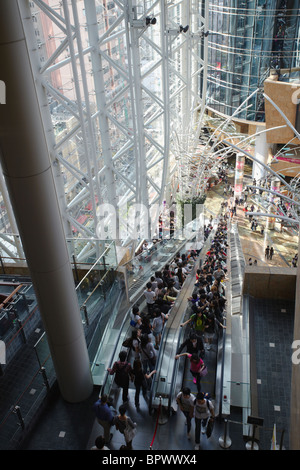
x=246 y=39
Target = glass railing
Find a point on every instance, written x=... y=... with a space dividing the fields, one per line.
x=111 y=293
x=239 y=393
x=89 y=251
x=15 y=310
x=43 y=356
x=113 y=331
x=83 y=252
x=22 y=408
x=20 y=404
x=11 y=251
x=91 y=281
x=141 y=267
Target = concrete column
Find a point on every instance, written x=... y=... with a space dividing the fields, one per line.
x=28 y=174
x=262 y=149
x=239 y=174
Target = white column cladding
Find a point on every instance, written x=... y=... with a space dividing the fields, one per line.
x=261 y=153
x=239 y=174
x=28 y=174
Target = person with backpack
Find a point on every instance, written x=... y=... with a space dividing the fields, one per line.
x=203 y=409
x=133 y=343
x=123 y=371
x=197 y=320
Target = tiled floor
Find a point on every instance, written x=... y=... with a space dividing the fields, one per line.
x=273 y=326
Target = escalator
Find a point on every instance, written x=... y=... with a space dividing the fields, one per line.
x=171 y=374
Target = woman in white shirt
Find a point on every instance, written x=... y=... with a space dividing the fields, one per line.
x=204 y=409
x=157 y=326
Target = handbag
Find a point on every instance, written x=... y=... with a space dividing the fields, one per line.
x=129 y=432
x=203 y=372
x=209 y=427
x=127 y=343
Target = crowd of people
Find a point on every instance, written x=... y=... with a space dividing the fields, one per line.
x=137 y=359
x=207 y=305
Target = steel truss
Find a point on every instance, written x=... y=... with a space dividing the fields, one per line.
x=122 y=87
x=116 y=80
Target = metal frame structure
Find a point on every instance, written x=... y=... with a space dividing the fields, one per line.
x=116 y=80
x=122 y=87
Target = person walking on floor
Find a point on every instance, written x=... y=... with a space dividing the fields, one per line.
x=267 y=252
x=185 y=400
x=204 y=409
x=271 y=252
x=125 y=426
x=104 y=416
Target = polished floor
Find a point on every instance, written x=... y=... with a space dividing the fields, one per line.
x=65 y=426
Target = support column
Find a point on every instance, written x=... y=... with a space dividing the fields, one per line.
x=30 y=183
x=239 y=174
x=262 y=149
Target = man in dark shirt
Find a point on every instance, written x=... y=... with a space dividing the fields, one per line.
x=104 y=416
x=123 y=372
x=193 y=344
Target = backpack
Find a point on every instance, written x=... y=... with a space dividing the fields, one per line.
x=207 y=399
x=121 y=375
x=133 y=321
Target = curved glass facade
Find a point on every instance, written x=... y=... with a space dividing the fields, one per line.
x=246 y=39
